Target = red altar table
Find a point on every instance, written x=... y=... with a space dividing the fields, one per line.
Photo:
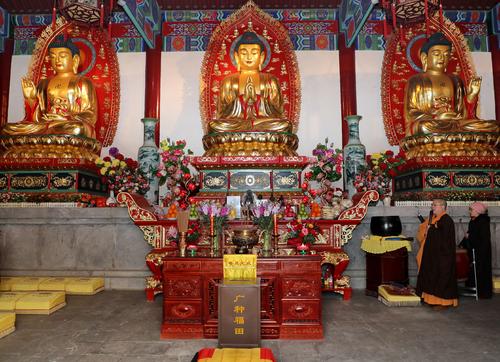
x=290 y=297
x=336 y=233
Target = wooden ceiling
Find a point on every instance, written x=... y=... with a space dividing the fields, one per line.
x=45 y=6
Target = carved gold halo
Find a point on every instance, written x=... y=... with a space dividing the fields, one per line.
x=260 y=21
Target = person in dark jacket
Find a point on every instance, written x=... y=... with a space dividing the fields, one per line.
x=478 y=237
x=436 y=259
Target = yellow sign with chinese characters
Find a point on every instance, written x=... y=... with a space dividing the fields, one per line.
x=240 y=267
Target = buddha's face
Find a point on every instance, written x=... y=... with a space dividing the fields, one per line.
x=437 y=58
x=249 y=56
x=62 y=60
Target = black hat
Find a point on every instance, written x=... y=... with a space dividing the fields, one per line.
x=60 y=42
x=435 y=39
x=249 y=37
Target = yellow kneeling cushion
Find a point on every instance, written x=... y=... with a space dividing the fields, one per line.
x=53 y=284
x=7 y=323
x=84 y=286
x=8 y=300
x=496 y=284
x=6 y=283
x=397 y=297
x=26 y=284
x=40 y=303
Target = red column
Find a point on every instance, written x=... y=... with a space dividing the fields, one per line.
x=5 y=62
x=347 y=69
x=153 y=84
x=495 y=61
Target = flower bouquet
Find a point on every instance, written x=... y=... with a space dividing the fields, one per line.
x=370 y=180
x=122 y=174
x=175 y=173
x=300 y=232
x=215 y=216
x=382 y=167
x=386 y=163
x=326 y=169
x=192 y=235
x=263 y=214
x=265 y=217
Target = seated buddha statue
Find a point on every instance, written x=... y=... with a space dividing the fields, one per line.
x=439 y=103
x=65 y=104
x=249 y=100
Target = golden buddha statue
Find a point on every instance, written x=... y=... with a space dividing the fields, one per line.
x=250 y=100
x=250 y=116
x=65 y=104
x=438 y=103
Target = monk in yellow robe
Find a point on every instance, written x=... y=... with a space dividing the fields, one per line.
x=436 y=259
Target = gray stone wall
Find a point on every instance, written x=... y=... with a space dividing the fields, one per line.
x=105 y=242
x=73 y=242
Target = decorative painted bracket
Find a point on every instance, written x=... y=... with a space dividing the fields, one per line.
x=146 y=17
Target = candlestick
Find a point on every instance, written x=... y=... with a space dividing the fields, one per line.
x=211 y=225
x=441 y=18
x=393 y=8
x=427 y=30
x=101 y=22
x=110 y=15
x=275 y=222
x=386 y=31
x=54 y=15
x=275 y=242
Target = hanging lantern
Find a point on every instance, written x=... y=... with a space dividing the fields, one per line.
x=82 y=11
x=409 y=11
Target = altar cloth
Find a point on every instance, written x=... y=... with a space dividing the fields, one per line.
x=382 y=244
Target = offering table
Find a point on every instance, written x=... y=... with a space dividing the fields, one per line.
x=337 y=232
x=290 y=297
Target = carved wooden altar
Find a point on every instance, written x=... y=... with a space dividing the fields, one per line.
x=290 y=297
x=337 y=233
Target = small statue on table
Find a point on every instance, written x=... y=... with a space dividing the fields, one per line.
x=247 y=201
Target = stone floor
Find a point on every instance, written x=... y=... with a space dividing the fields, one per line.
x=122 y=326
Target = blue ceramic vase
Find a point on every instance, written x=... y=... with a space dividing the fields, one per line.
x=149 y=159
x=354 y=154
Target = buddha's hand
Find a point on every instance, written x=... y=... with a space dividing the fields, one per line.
x=474 y=87
x=29 y=89
x=447 y=115
x=249 y=90
x=50 y=117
